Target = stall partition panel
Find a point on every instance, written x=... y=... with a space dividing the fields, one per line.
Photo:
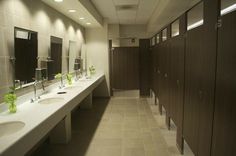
x=125 y=68
x=193 y=93
x=164 y=53
x=224 y=131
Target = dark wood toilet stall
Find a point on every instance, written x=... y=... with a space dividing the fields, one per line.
x=193 y=75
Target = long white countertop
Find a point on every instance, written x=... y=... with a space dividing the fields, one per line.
x=39 y=119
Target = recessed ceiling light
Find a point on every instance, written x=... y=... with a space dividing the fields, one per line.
x=88 y=23
x=72 y=10
x=81 y=18
x=58 y=1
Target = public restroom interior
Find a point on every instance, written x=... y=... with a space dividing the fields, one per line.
x=117 y=77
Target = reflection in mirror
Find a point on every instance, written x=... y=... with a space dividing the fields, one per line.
x=227 y=6
x=83 y=56
x=175 y=28
x=195 y=16
x=73 y=54
x=56 y=56
x=26 y=52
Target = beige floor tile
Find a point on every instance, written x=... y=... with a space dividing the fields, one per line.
x=157 y=152
x=130 y=125
x=111 y=152
x=132 y=143
x=93 y=152
x=108 y=134
x=133 y=152
x=107 y=143
x=125 y=126
x=131 y=134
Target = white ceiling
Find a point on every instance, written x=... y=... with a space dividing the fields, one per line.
x=81 y=11
x=141 y=15
x=154 y=13
x=166 y=12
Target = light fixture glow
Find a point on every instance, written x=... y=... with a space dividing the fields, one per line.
x=72 y=10
x=194 y=25
x=58 y=1
x=88 y=23
x=175 y=34
x=81 y=18
x=228 y=9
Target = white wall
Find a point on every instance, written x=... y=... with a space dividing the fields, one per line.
x=126 y=33
x=114 y=34
x=136 y=31
x=97 y=55
x=36 y=16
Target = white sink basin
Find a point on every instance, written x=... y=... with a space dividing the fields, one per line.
x=7 y=128
x=53 y=100
x=72 y=87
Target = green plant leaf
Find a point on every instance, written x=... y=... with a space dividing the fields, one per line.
x=58 y=76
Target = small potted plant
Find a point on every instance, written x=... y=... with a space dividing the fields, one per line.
x=58 y=76
x=92 y=70
x=69 y=78
x=10 y=99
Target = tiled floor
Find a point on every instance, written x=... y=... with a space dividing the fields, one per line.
x=120 y=126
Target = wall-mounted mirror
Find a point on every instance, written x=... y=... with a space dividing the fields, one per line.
x=73 y=54
x=26 y=53
x=83 y=55
x=56 y=56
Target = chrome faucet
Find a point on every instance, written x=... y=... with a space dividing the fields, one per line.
x=76 y=75
x=35 y=90
x=17 y=83
x=62 y=84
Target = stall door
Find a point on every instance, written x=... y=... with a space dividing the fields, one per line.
x=224 y=131
x=125 y=68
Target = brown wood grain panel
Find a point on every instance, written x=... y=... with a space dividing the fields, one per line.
x=151 y=70
x=193 y=69
x=125 y=68
x=208 y=72
x=177 y=79
x=224 y=132
x=164 y=48
x=144 y=56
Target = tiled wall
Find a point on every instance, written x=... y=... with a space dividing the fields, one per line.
x=36 y=16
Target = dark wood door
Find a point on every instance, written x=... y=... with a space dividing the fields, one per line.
x=144 y=66
x=156 y=69
x=177 y=79
x=224 y=131
x=193 y=93
x=56 y=55
x=152 y=68
x=125 y=68
x=164 y=51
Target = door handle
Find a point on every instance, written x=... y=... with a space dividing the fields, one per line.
x=165 y=75
x=200 y=94
x=155 y=70
x=177 y=82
